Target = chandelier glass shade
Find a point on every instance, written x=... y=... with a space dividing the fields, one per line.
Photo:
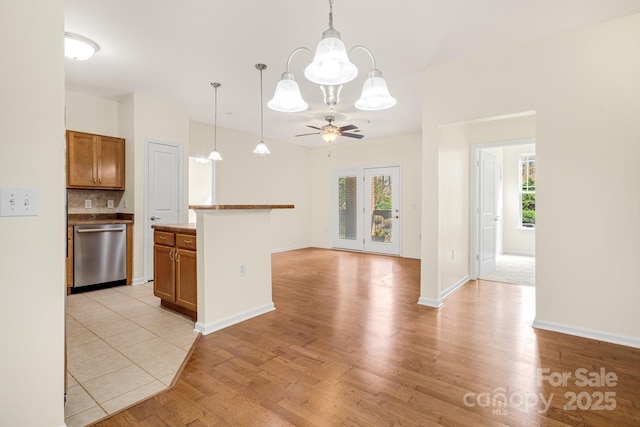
x=331 y=64
x=331 y=68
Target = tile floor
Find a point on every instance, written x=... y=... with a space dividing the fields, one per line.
x=122 y=347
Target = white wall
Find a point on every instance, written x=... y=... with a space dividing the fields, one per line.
x=32 y=254
x=244 y=178
x=453 y=205
x=90 y=114
x=401 y=151
x=584 y=88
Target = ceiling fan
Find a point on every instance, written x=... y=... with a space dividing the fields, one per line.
x=329 y=132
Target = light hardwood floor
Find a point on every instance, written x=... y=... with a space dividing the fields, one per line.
x=349 y=345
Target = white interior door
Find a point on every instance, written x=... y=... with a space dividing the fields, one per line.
x=487 y=212
x=366 y=210
x=164 y=183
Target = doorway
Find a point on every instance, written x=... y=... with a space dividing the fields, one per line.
x=503 y=211
x=163 y=190
x=366 y=210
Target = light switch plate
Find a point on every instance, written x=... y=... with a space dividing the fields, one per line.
x=18 y=202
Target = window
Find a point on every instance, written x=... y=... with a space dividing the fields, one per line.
x=528 y=190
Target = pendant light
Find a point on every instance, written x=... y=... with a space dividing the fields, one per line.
x=261 y=149
x=215 y=155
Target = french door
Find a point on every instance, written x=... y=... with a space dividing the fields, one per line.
x=366 y=210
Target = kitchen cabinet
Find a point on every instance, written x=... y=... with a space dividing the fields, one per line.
x=175 y=270
x=95 y=161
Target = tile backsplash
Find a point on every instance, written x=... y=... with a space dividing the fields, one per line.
x=99 y=201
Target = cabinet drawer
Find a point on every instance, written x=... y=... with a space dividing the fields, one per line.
x=163 y=238
x=186 y=241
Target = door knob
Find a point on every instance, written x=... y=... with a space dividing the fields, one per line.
x=155 y=218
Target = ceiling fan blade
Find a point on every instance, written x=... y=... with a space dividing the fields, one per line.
x=348 y=127
x=314 y=127
x=305 y=134
x=352 y=135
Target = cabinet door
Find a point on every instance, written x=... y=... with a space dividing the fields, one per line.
x=187 y=280
x=81 y=159
x=110 y=160
x=163 y=273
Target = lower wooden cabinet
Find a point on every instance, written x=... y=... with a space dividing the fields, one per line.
x=175 y=271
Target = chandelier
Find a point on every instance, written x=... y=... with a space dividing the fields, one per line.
x=331 y=68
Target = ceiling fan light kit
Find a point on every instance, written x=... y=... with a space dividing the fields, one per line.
x=331 y=68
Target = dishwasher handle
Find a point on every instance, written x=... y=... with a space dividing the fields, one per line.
x=100 y=230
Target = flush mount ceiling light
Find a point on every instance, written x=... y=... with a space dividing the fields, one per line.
x=215 y=155
x=261 y=148
x=79 y=47
x=331 y=68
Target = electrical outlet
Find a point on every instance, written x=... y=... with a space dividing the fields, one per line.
x=109 y=204
x=243 y=269
x=87 y=204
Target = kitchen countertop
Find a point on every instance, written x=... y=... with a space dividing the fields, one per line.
x=91 y=219
x=240 y=207
x=186 y=228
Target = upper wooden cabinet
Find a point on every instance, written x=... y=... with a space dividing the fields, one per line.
x=95 y=161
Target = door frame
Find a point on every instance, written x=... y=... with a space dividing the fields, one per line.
x=474 y=226
x=147 y=236
x=359 y=172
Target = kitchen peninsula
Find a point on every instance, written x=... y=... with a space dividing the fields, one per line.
x=233 y=263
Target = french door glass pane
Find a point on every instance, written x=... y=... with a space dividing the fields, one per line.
x=347 y=207
x=381 y=209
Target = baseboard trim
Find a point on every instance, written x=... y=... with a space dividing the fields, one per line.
x=206 y=329
x=430 y=302
x=290 y=248
x=587 y=333
x=437 y=303
x=138 y=281
x=451 y=289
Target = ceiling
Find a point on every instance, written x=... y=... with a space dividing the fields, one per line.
x=173 y=50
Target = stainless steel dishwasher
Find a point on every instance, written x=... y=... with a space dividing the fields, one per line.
x=99 y=256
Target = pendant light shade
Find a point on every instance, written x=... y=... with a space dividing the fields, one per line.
x=215 y=155
x=287 y=97
x=331 y=64
x=261 y=149
x=375 y=94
